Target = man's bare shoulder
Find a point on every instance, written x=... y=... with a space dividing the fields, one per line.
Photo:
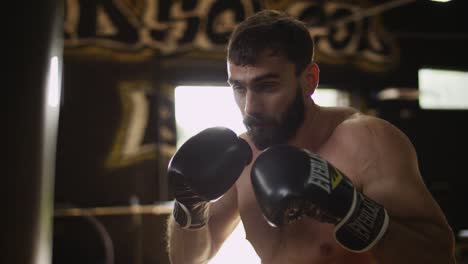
x=370 y=138
x=351 y=129
x=374 y=142
x=367 y=130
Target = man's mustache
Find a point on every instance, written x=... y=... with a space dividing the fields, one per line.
x=257 y=120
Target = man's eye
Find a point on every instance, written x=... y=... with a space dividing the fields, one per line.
x=267 y=86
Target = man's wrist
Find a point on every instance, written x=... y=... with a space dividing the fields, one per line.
x=191 y=217
x=364 y=226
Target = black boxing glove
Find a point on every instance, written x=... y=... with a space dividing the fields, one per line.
x=202 y=170
x=289 y=183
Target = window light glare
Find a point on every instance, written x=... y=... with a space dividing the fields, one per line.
x=443 y=89
x=463 y=233
x=200 y=107
x=53 y=85
x=330 y=97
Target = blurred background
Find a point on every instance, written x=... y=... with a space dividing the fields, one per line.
x=105 y=91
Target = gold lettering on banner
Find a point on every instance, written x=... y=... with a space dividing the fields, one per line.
x=362 y=42
x=128 y=147
x=132 y=30
x=276 y=4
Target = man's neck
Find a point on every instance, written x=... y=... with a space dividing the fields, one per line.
x=313 y=131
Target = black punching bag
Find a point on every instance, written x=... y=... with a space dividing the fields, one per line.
x=32 y=80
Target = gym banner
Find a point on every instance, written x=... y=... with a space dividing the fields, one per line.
x=143 y=29
x=117 y=129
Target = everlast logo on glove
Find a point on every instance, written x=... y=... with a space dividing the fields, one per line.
x=366 y=219
x=319 y=173
x=365 y=227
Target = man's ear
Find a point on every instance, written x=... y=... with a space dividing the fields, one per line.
x=311 y=79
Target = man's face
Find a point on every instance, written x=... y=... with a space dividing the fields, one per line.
x=270 y=98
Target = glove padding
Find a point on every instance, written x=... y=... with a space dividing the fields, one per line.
x=202 y=170
x=290 y=183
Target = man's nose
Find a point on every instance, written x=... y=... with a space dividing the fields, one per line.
x=252 y=103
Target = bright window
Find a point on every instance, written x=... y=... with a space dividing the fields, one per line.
x=443 y=89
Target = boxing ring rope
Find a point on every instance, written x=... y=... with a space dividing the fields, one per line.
x=159 y=208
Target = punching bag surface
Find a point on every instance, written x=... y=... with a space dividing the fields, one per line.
x=34 y=73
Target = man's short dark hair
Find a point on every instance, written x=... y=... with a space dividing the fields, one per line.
x=274 y=31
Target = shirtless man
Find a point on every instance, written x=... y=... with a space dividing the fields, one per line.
x=272 y=75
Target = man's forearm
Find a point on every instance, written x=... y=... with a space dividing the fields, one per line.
x=415 y=243
x=188 y=246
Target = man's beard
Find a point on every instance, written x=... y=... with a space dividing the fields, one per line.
x=266 y=131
